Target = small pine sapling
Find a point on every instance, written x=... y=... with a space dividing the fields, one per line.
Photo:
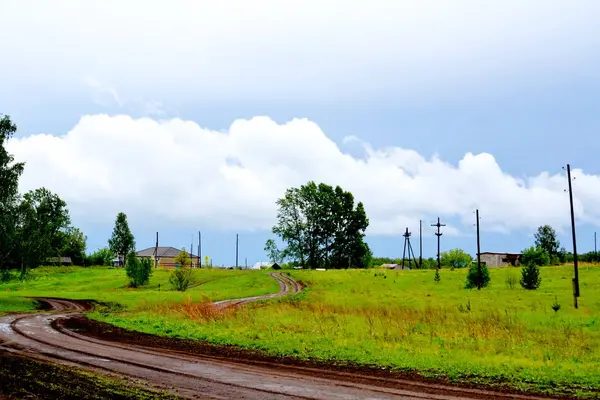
x=530 y=277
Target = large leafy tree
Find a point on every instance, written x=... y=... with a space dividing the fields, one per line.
x=545 y=238
x=322 y=227
x=42 y=226
x=73 y=245
x=9 y=195
x=122 y=241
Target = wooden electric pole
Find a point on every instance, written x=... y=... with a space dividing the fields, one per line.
x=575 y=263
x=236 y=249
x=479 y=281
x=199 y=249
x=438 y=234
x=420 y=244
x=156 y=252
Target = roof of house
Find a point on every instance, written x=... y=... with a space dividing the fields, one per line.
x=260 y=264
x=389 y=265
x=500 y=254
x=65 y=260
x=162 y=252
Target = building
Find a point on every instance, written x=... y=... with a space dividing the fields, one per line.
x=59 y=261
x=500 y=259
x=265 y=265
x=391 y=266
x=165 y=255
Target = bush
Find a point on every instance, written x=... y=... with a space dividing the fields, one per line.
x=535 y=256
x=530 y=277
x=181 y=278
x=436 y=277
x=138 y=270
x=102 y=257
x=478 y=276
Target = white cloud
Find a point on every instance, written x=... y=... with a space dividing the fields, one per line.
x=176 y=170
x=321 y=50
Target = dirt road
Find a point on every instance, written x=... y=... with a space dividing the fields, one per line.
x=194 y=375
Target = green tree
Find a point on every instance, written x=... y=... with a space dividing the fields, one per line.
x=73 y=245
x=535 y=255
x=10 y=173
x=183 y=259
x=273 y=252
x=122 y=240
x=545 y=238
x=321 y=227
x=478 y=276
x=456 y=258
x=43 y=221
x=103 y=256
x=138 y=270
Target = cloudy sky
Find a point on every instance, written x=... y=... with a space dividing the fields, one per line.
x=197 y=115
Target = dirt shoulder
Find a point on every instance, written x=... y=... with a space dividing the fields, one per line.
x=315 y=368
x=25 y=377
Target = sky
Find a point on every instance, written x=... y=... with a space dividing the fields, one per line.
x=197 y=115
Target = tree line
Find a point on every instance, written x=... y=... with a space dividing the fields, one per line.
x=35 y=227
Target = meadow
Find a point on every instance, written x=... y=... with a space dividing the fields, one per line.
x=110 y=285
x=402 y=321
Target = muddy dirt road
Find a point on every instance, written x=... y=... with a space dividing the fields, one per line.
x=193 y=375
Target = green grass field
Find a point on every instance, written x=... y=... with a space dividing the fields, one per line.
x=110 y=285
x=400 y=320
x=403 y=320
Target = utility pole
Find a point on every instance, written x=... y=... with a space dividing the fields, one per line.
x=236 y=249
x=478 y=251
x=595 y=248
x=156 y=252
x=575 y=264
x=410 y=250
x=199 y=249
x=191 y=254
x=438 y=234
x=420 y=244
x=246 y=262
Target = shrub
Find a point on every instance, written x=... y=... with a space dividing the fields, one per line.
x=535 y=256
x=101 y=257
x=181 y=278
x=530 y=277
x=478 y=276
x=436 y=277
x=555 y=306
x=138 y=270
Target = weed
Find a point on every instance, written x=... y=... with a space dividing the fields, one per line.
x=511 y=281
x=555 y=306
